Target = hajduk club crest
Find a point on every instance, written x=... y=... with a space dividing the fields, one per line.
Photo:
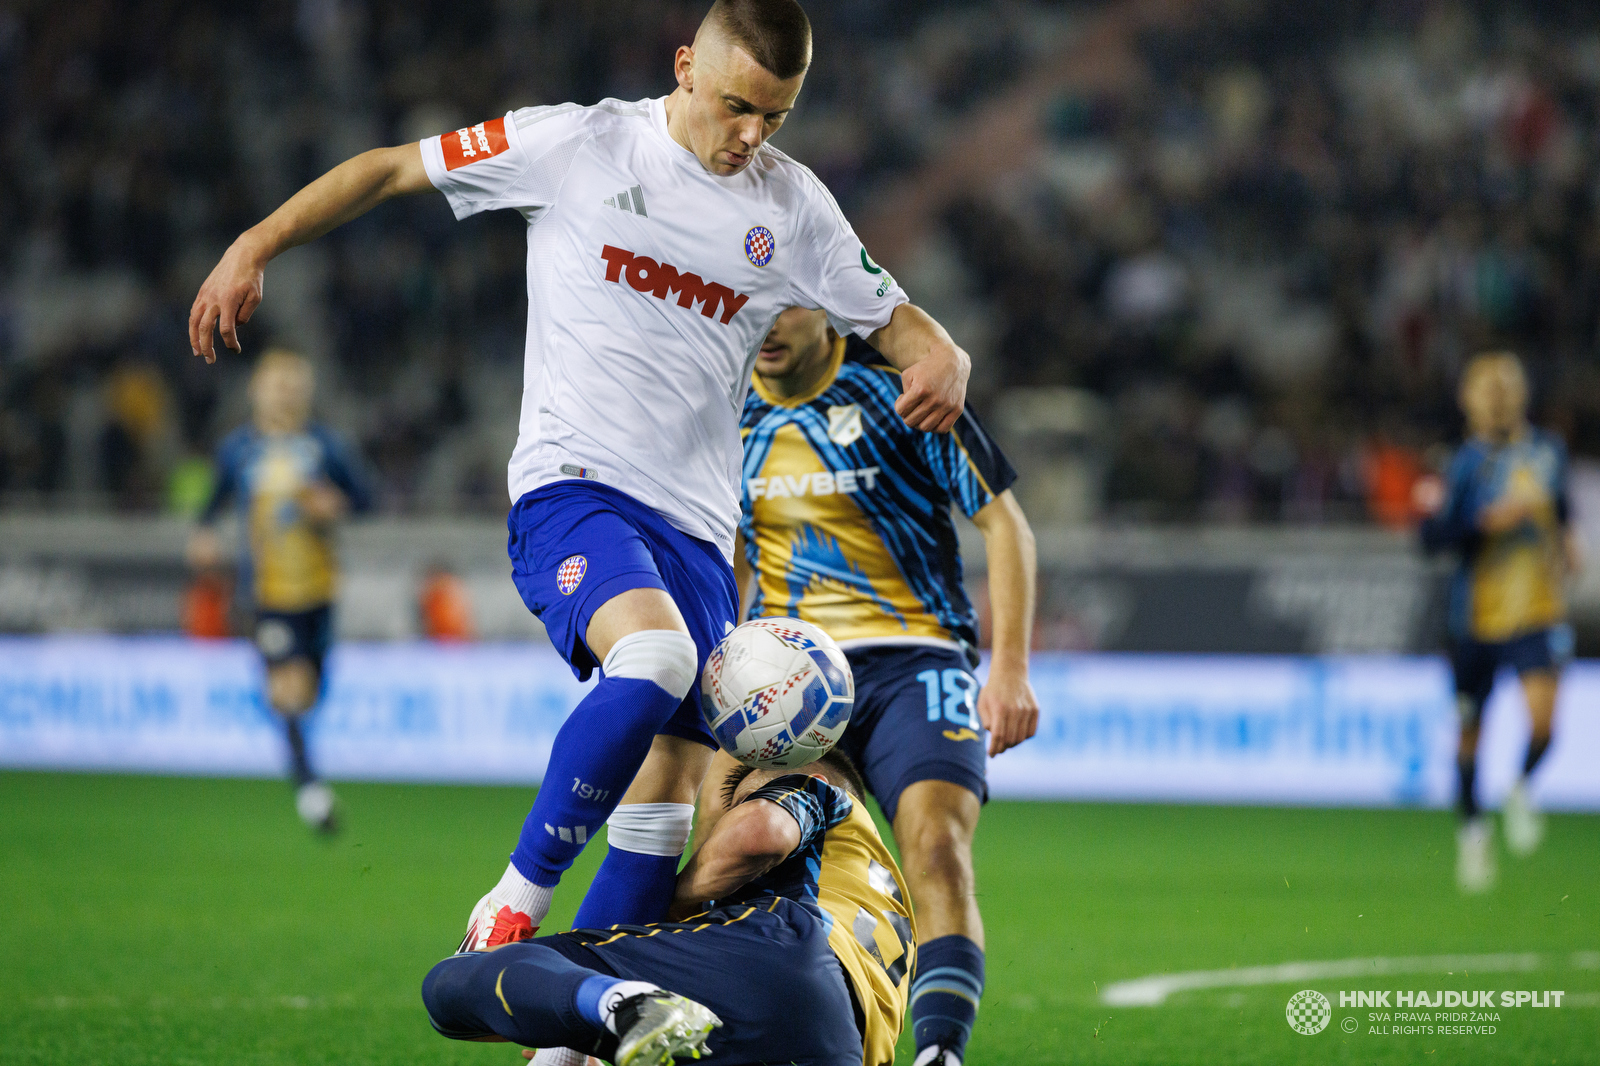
x=571 y=573
x=759 y=245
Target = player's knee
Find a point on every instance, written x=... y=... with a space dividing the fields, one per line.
x=291 y=687
x=446 y=988
x=937 y=847
x=663 y=656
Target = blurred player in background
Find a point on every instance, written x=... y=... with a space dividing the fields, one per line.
x=1503 y=508
x=803 y=956
x=847 y=524
x=664 y=236
x=292 y=480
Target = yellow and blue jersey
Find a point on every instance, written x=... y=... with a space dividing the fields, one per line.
x=843 y=871
x=847 y=519
x=289 y=562
x=1509 y=583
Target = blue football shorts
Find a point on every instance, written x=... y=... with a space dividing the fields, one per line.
x=284 y=635
x=575 y=544
x=1475 y=662
x=915 y=719
x=764 y=968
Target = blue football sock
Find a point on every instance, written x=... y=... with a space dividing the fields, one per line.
x=299 y=762
x=945 y=993
x=587 y=998
x=629 y=889
x=593 y=760
x=528 y=993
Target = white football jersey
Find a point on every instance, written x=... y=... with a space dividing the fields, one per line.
x=651 y=285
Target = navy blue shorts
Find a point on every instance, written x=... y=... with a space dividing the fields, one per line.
x=768 y=974
x=915 y=719
x=285 y=635
x=1475 y=663
x=574 y=545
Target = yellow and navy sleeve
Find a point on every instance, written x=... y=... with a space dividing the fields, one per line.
x=815 y=804
x=340 y=466
x=967 y=463
x=816 y=807
x=232 y=454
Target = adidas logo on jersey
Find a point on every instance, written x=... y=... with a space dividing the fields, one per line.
x=569 y=834
x=822 y=483
x=629 y=200
x=660 y=280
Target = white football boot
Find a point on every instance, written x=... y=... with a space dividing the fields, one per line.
x=1475 y=870
x=315 y=804
x=934 y=1055
x=1524 y=823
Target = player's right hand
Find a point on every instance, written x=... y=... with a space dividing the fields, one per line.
x=492 y=924
x=228 y=298
x=934 y=390
x=1427 y=494
x=204 y=551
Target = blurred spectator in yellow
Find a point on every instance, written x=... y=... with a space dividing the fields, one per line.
x=137 y=419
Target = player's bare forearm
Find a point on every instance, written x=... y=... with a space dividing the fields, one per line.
x=743 y=575
x=933 y=369
x=233 y=291
x=747 y=842
x=1007 y=704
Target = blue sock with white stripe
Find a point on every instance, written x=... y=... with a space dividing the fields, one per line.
x=635 y=883
x=945 y=993
x=597 y=751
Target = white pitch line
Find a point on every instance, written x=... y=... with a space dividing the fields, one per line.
x=1153 y=991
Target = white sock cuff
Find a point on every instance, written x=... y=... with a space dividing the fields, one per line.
x=651 y=828
x=665 y=656
x=560 y=1056
x=618 y=992
x=522 y=895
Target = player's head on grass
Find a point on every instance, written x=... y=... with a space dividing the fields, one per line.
x=738 y=81
x=280 y=391
x=834 y=768
x=1494 y=396
x=796 y=351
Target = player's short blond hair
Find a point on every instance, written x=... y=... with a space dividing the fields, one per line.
x=284 y=358
x=1487 y=360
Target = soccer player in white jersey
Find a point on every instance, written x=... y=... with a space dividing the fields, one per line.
x=664 y=237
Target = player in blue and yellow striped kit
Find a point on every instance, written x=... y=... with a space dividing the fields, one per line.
x=292 y=480
x=1504 y=509
x=797 y=944
x=847 y=524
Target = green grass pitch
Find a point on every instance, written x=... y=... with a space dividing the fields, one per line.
x=179 y=921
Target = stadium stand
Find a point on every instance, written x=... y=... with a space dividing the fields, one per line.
x=1248 y=249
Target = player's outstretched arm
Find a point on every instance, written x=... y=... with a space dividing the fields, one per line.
x=933 y=369
x=233 y=291
x=1006 y=704
x=745 y=843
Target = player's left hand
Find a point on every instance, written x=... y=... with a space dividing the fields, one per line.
x=322 y=503
x=934 y=389
x=1008 y=708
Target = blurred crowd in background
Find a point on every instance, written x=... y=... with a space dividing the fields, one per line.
x=1213 y=261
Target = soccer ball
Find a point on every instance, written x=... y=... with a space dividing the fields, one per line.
x=777 y=693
